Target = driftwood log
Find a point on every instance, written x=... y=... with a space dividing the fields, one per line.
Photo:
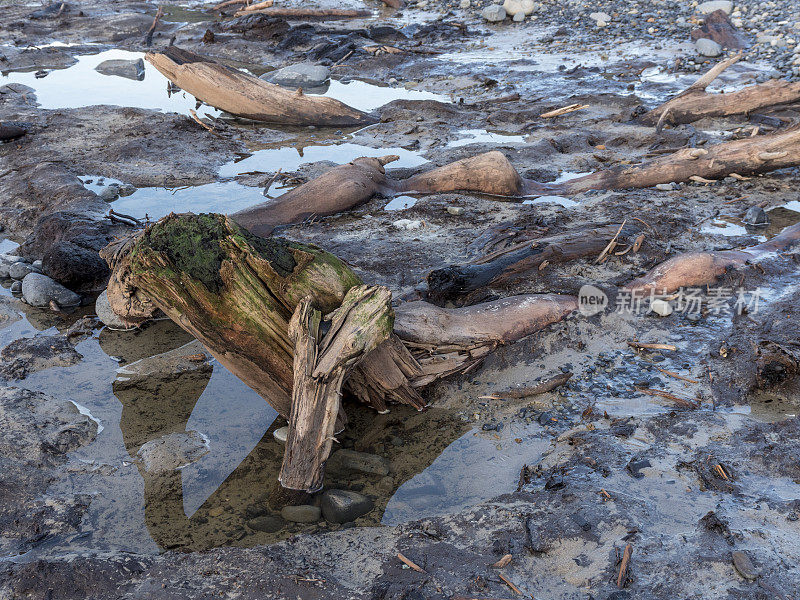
x=454 y=282
x=307 y=13
x=747 y=156
x=696 y=269
x=347 y=186
x=247 y=96
x=695 y=103
x=236 y=294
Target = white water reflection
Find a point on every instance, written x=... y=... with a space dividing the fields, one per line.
x=81 y=85
x=155 y=202
x=482 y=136
x=233 y=429
x=289 y=158
x=476 y=467
x=400 y=203
x=560 y=200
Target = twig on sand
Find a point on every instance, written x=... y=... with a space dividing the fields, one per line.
x=683 y=402
x=508 y=582
x=203 y=125
x=540 y=388
x=642 y=346
x=410 y=563
x=623 y=567
x=611 y=245
x=148 y=40
x=563 y=110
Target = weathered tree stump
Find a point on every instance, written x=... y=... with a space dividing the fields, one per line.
x=236 y=293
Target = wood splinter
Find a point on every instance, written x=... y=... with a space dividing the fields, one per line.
x=321 y=364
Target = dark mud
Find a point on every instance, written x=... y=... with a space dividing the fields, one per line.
x=135 y=466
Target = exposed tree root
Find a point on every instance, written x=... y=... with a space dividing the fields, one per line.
x=752 y=155
x=456 y=281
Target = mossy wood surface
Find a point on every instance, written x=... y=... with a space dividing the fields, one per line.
x=236 y=293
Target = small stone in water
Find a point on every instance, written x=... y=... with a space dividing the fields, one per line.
x=465 y=3
x=458 y=210
x=665 y=187
x=281 y=434
x=519 y=17
x=304 y=513
x=755 y=215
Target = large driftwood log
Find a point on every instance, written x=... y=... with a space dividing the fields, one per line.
x=696 y=269
x=489 y=323
x=236 y=293
x=347 y=186
x=321 y=363
x=747 y=156
x=456 y=281
x=247 y=96
x=695 y=103
x=307 y=13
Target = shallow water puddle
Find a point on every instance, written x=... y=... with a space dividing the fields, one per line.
x=219 y=497
x=289 y=158
x=230 y=196
x=470 y=470
x=80 y=85
x=368 y=96
x=482 y=136
x=560 y=200
x=401 y=203
x=155 y=202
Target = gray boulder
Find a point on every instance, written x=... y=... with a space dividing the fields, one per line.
x=129 y=69
x=18 y=270
x=304 y=75
x=40 y=290
x=755 y=215
x=494 y=13
x=706 y=47
x=343 y=506
x=107 y=316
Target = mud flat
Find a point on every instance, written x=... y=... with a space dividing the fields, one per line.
x=667 y=466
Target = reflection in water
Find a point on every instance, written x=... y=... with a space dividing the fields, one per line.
x=68 y=87
x=80 y=85
x=289 y=158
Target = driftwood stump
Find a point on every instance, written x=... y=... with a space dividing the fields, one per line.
x=236 y=293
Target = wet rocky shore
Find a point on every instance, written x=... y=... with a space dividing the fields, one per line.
x=136 y=466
